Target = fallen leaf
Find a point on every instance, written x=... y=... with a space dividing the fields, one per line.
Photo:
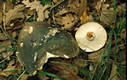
x=38 y=7
x=5 y=43
x=98 y=4
x=121 y=9
x=2 y=36
x=1 y=17
x=15 y=13
x=56 y=67
x=62 y=12
x=113 y=73
x=95 y=56
x=14 y=34
x=46 y=14
x=84 y=18
x=8 y=69
x=77 y=6
x=6 y=55
x=24 y=77
x=123 y=33
x=43 y=77
x=55 y=1
x=108 y=16
x=40 y=12
x=8 y=5
x=67 y=21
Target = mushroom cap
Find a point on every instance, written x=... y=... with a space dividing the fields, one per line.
x=91 y=36
x=38 y=41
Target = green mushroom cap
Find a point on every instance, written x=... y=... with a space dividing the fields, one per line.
x=37 y=39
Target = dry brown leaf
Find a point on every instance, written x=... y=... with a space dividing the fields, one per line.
x=121 y=9
x=46 y=14
x=8 y=5
x=32 y=5
x=55 y=1
x=14 y=34
x=84 y=18
x=123 y=33
x=40 y=13
x=63 y=70
x=24 y=77
x=2 y=37
x=113 y=72
x=98 y=4
x=43 y=77
x=123 y=55
x=95 y=57
x=67 y=21
x=38 y=7
x=108 y=16
x=1 y=2
x=10 y=67
x=1 y=17
x=77 y=6
x=5 y=43
x=63 y=11
x=15 y=13
x=80 y=62
x=6 y=55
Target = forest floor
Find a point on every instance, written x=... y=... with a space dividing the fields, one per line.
x=107 y=63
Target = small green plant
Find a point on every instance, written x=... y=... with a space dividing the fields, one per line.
x=44 y=2
x=13 y=1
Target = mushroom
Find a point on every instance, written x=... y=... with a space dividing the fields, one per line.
x=38 y=41
x=91 y=36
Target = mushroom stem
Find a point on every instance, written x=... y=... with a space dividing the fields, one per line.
x=90 y=36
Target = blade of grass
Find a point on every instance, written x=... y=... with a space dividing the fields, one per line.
x=85 y=72
x=114 y=4
x=115 y=50
x=52 y=75
x=122 y=24
x=102 y=73
x=8 y=71
x=8 y=49
x=106 y=62
x=113 y=76
x=103 y=60
x=99 y=63
x=109 y=46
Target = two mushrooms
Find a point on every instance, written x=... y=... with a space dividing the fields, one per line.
x=38 y=41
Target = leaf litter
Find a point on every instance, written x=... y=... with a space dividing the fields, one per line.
x=68 y=15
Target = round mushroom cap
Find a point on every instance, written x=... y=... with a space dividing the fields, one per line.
x=91 y=36
x=38 y=41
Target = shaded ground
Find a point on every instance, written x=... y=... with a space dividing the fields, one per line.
x=108 y=63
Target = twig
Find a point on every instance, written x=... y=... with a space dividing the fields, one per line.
x=102 y=74
x=21 y=75
x=94 y=71
x=6 y=58
x=4 y=24
x=52 y=9
x=4 y=21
